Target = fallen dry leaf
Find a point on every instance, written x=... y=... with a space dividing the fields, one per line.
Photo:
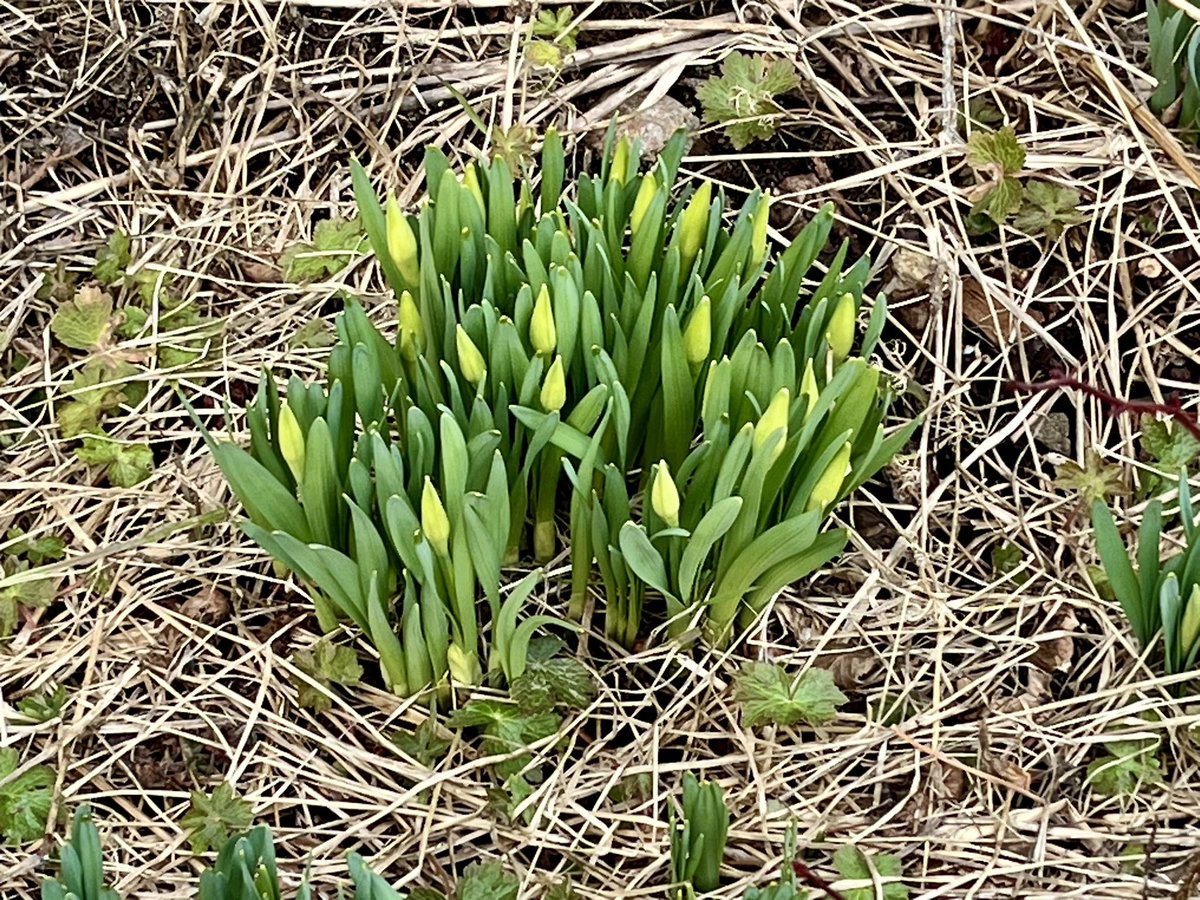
x=990 y=318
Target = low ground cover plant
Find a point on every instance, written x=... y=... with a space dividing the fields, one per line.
x=636 y=366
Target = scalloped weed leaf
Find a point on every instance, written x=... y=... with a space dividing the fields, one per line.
x=505 y=728
x=327 y=664
x=213 y=818
x=123 y=465
x=1007 y=558
x=43 y=706
x=742 y=98
x=86 y=321
x=561 y=681
x=852 y=864
x=1048 y=209
x=37 y=593
x=424 y=743
x=335 y=243
x=1094 y=480
x=769 y=696
x=1169 y=445
x=113 y=258
x=25 y=800
x=1128 y=766
x=487 y=881
x=96 y=390
x=996 y=157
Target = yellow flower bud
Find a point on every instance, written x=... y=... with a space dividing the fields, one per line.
x=1189 y=630
x=641 y=204
x=435 y=524
x=402 y=243
x=291 y=441
x=554 y=387
x=464 y=666
x=664 y=496
x=829 y=485
x=470 y=181
x=412 y=328
x=808 y=389
x=840 y=332
x=542 y=333
x=693 y=224
x=619 y=170
x=758 y=230
x=774 y=418
x=470 y=360
x=697 y=337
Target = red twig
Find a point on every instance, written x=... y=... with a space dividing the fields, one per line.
x=810 y=878
x=1061 y=381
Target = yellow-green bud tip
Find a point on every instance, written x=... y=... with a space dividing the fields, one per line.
x=829 y=485
x=542 y=333
x=1189 y=630
x=470 y=360
x=412 y=328
x=808 y=389
x=464 y=666
x=641 y=204
x=840 y=332
x=697 y=337
x=664 y=496
x=693 y=223
x=435 y=524
x=758 y=230
x=774 y=418
x=401 y=243
x=554 y=387
x=291 y=441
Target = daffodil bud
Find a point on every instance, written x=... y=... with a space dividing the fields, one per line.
x=619 y=170
x=542 y=333
x=697 y=337
x=291 y=440
x=412 y=328
x=693 y=223
x=464 y=666
x=402 y=243
x=664 y=496
x=774 y=418
x=1189 y=630
x=758 y=231
x=829 y=485
x=840 y=332
x=435 y=524
x=554 y=387
x=641 y=204
x=470 y=360
x=808 y=389
x=470 y=181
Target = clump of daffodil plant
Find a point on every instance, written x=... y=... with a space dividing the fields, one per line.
x=635 y=366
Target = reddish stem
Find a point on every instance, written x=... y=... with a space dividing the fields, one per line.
x=810 y=878
x=1061 y=381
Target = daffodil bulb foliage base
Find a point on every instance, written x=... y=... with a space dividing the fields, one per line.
x=614 y=368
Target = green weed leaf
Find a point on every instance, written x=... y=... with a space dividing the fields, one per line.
x=769 y=696
x=1128 y=766
x=124 y=465
x=1048 y=209
x=1094 y=480
x=851 y=863
x=24 y=801
x=743 y=97
x=1171 y=446
x=487 y=881
x=335 y=243
x=327 y=664
x=86 y=321
x=43 y=706
x=113 y=259
x=561 y=681
x=996 y=148
x=213 y=819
